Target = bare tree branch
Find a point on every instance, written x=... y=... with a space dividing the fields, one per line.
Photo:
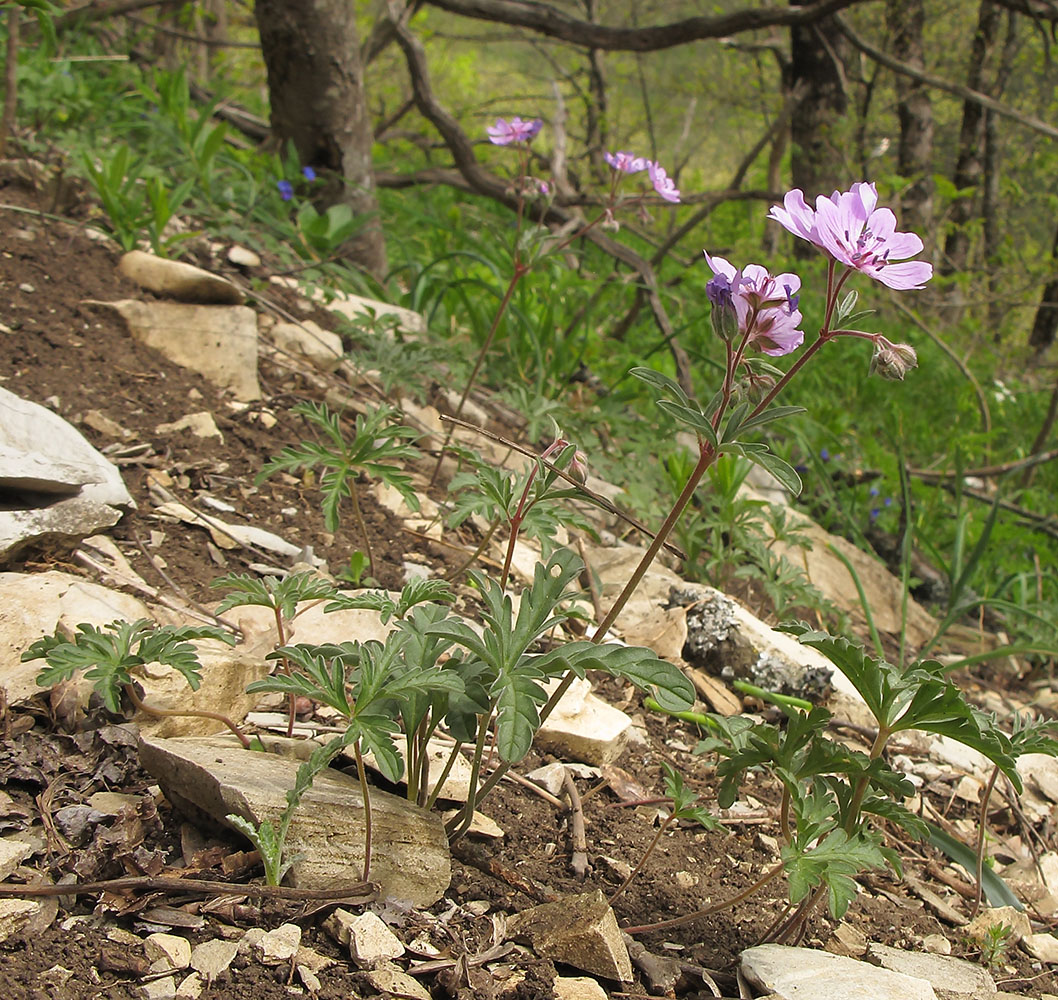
x=940 y=84
x=547 y=20
x=482 y=182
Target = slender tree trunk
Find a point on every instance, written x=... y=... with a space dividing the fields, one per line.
x=1045 y=325
x=970 y=163
x=906 y=19
x=817 y=163
x=7 y=122
x=992 y=232
x=316 y=86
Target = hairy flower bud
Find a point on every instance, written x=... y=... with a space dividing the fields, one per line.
x=578 y=467
x=755 y=387
x=892 y=361
x=724 y=317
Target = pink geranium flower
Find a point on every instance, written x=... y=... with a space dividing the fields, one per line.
x=504 y=132
x=765 y=306
x=850 y=228
x=626 y=163
x=663 y=184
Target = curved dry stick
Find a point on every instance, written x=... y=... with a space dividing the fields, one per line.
x=482 y=182
x=192 y=713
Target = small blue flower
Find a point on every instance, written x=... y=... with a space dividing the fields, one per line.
x=874 y=513
x=286 y=190
x=308 y=173
x=824 y=454
x=888 y=501
x=874 y=491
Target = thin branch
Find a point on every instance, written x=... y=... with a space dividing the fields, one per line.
x=941 y=84
x=483 y=182
x=547 y=20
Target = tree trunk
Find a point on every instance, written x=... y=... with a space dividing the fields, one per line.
x=316 y=86
x=905 y=19
x=1045 y=325
x=817 y=159
x=970 y=165
x=990 y=201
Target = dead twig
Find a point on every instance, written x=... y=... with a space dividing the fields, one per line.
x=579 y=857
x=358 y=893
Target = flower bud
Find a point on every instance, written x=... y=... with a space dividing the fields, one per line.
x=724 y=317
x=892 y=361
x=578 y=467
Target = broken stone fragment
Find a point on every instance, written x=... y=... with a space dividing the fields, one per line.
x=15 y=915
x=218 y=342
x=952 y=978
x=173 y=950
x=800 y=973
x=371 y=942
x=391 y=981
x=211 y=958
x=279 y=946
x=580 y=931
x=981 y=927
x=55 y=488
x=584 y=727
x=174 y=279
x=410 y=858
x=321 y=348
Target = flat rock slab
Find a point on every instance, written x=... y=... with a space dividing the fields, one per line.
x=805 y=974
x=218 y=342
x=952 y=978
x=584 y=727
x=410 y=858
x=55 y=487
x=580 y=930
x=173 y=279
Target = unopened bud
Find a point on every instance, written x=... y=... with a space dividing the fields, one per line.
x=578 y=467
x=754 y=388
x=609 y=223
x=724 y=317
x=892 y=361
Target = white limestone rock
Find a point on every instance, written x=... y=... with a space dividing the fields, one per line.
x=174 y=279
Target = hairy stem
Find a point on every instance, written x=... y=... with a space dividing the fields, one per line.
x=366 y=792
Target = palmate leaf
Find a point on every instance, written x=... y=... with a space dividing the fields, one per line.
x=375 y=733
x=833 y=863
x=415 y=592
x=108 y=654
x=518 y=694
x=637 y=664
x=271 y=592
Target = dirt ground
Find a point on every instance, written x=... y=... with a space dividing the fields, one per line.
x=78 y=359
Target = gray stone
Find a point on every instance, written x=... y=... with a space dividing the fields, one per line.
x=279 y=946
x=1043 y=947
x=584 y=727
x=174 y=950
x=173 y=279
x=15 y=915
x=371 y=942
x=410 y=856
x=211 y=958
x=56 y=488
x=579 y=930
x=952 y=978
x=308 y=340
x=390 y=981
x=804 y=974
x=218 y=342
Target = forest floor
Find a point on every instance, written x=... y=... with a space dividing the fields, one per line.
x=80 y=361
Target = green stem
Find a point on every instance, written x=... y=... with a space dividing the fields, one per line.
x=368 y=824
x=520 y=271
x=460 y=823
x=777 y=699
x=362 y=526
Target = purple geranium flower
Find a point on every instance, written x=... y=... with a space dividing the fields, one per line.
x=626 y=163
x=662 y=182
x=851 y=229
x=504 y=132
x=764 y=305
x=286 y=190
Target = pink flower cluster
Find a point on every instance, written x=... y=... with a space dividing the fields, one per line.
x=505 y=133
x=754 y=305
x=629 y=163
